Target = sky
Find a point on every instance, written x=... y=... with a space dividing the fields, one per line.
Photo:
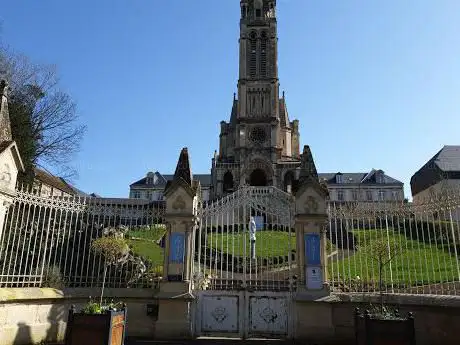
x=374 y=83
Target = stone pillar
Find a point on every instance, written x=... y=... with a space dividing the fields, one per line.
x=310 y=225
x=5 y=202
x=175 y=296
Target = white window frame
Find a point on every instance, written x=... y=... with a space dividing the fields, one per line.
x=341 y=195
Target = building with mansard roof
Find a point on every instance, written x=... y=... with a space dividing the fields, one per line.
x=440 y=174
x=259 y=145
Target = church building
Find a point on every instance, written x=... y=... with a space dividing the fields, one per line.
x=259 y=145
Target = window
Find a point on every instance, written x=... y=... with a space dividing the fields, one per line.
x=253 y=55
x=258 y=135
x=339 y=178
x=354 y=194
x=381 y=195
x=258 y=13
x=340 y=195
x=369 y=195
x=136 y=194
x=263 y=55
x=331 y=194
x=394 y=195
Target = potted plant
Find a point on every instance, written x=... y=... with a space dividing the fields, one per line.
x=382 y=324
x=100 y=322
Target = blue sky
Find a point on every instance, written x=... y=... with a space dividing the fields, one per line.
x=374 y=84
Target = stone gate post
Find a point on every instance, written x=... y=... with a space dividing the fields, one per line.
x=310 y=227
x=175 y=296
x=313 y=314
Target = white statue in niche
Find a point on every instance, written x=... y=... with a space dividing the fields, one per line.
x=5 y=175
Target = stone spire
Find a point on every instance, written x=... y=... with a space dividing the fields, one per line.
x=183 y=170
x=5 y=125
x=307 y=166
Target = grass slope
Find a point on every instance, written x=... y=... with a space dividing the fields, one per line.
x=416 y=262
x=144 y=243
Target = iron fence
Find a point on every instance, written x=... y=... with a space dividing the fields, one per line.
x=46 y=241
x=395 y=247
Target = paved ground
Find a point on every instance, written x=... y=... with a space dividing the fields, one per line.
x=211 y=341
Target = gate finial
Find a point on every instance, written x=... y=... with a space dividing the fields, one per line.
x=308 y=173
x=183 y=167
x=307 y=165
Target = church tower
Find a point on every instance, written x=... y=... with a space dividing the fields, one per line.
x=259 y=145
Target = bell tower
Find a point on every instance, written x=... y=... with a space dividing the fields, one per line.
x=259 y=143
x=258 y=85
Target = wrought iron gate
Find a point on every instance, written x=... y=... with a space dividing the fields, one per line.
x=243 y=265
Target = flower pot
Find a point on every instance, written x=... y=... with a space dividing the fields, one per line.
x=96 y=329
x=374 y=330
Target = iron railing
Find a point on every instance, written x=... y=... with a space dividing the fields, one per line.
x=46 y=241
x=395 y=247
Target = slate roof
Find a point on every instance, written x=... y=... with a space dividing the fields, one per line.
x=354 y=178
x=447 y=159
x=445 y=164
x=358 y=178
x=205 y=180
x=54 y=181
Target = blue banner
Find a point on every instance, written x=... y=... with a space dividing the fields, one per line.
x=177 y=248
x=259 y=222
x=313 y=249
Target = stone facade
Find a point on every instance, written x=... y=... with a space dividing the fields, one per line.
x=259 y=144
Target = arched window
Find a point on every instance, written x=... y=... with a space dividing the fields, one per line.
x=228 y=182
x=288 y=181
x=253 y=55
x=263 y=55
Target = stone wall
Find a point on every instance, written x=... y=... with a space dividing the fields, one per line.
x=28 y=316
x=331 y=320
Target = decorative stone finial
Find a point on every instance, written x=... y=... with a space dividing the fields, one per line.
x=183 y=170
x=307 y=166
x=5 y=125
x=234 y=96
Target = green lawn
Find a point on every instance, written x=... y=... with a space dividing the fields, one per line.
x=143 y=243
x=268 y=244
x=415 y=263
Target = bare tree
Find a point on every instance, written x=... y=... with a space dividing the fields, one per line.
x=51 y=114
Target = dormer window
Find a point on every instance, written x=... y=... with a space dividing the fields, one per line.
x=379 y=177
x=339 y=178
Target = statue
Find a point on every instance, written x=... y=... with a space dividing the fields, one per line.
x=252 y=237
